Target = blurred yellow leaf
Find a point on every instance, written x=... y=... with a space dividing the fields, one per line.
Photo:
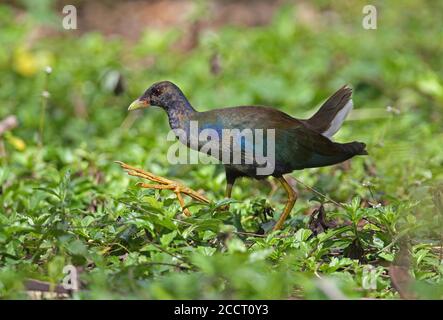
x=28 y=63
x=16 y=142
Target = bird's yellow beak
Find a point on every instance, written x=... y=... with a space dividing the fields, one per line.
x=137 y=104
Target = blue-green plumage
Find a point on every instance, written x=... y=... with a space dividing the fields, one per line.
x=298 y=144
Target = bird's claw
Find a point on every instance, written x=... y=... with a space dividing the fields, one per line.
x=164 y=184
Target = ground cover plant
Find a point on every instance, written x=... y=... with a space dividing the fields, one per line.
x=368 y=228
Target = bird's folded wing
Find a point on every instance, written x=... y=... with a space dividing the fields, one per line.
x=308 y=140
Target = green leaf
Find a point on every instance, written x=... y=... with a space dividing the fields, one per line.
x=166 y=239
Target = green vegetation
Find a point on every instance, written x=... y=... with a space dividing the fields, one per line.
x=64 y=201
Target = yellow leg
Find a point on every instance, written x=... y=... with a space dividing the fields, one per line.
x=292 y=197
x=164 y=184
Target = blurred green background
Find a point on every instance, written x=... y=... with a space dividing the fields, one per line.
x=64 y=201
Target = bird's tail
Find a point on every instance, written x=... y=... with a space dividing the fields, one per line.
x=329 y=118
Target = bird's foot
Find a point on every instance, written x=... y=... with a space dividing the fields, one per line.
x=164 y=184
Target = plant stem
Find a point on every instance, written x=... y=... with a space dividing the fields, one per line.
x=44 y=104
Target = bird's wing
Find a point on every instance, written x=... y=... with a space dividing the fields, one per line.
x=295 y=146
x=246 y=125
x=302 y=147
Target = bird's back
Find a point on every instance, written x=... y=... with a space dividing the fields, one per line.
x=296 y=145
x=248 y=117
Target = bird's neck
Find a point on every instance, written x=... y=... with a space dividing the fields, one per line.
x=179 y=113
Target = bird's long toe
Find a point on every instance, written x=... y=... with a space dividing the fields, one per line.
x=163 y=183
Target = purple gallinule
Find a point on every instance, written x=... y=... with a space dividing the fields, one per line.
x=296 y=144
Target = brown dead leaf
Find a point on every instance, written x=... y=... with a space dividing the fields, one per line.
x=317 y=223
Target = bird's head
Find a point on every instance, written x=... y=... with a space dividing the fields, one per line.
x=160 y=94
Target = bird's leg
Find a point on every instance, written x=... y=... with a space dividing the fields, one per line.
x=231 y=176
x=229 y=184
x=164 y=184
x=292 y=197
x=228 y=192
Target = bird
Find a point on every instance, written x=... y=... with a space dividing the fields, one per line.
x=298 y=143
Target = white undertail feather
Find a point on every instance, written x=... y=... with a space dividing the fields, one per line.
x=338 y=120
